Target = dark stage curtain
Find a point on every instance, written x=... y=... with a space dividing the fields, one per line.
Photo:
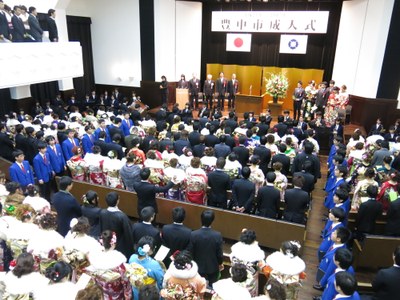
x=44 y=92
x=5 y=102
x=79 y=31
x=265 y=46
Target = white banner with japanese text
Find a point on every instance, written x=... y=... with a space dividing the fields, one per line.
x=270 y=21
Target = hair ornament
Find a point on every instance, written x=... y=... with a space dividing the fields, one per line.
x=144 y=250
x=269 y=287
x=296 y=243
x=113 y=239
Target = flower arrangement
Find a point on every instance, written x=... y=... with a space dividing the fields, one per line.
x=277 y=86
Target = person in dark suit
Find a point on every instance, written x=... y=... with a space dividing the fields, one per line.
x=297 y=202
x=219 y=183
x=7 y=146
x=146 y=191
x=20 y=138
x=20 y=171
x=31 y=144
x=194 y=136
x=377 y=128
x=206 y=248
x=19 y=32
x=233 y=89
x=368 y=212
x=281 y=127
x=102 y=143
x=115 y=220
x=208 y=90
x=242 y=152
x=69 y=143
x=4 y=29
x=282 y=158
x=43 y=170
x=204 y=112
x=336 y=130
x=393 y=219
x=221 y=87
x=182 y=142
x=35 y=30
x=264 y=154
x=309 y=179
x=243 y=191
x=231 y=121
x=115 y=128
x=268 y=198
x=176 y=236
x=262 y=126
x=164 y=90
x=88 y=139
x=65 y=204
x=115 y=146
x=298 y=97
x=306 y=155
x=143 y=228
x=198 y=150
x=52 y=26
x=287 y=120
x=222 y=149
x=386 y=281
x=182 y=83
x=194 y=89
x=321 y=98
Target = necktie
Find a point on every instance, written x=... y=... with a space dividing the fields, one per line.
x=22 y=168
x=45 y=159
x=55 y=149
x=73 y=142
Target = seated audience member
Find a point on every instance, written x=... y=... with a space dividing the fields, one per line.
x=297 y=202
x=268 y=198
x=145 y=228
x=155 y=272
x=386 y=281
x=219 y=183
x=243 y=191
x=15 y=195
x=182 y=275
x=282 y=158
x=368 y=213
x=233 y=287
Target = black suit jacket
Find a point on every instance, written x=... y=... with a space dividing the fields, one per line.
x=198 y=150
x=208 y=87
x=368 y=212
x=36 y=31
x=103 y=146
x=4 y=29
x=285 y=160
x=265 y=156
x=141 y=229
x=135 y=116
x=296 y=205
x=175 y=237
x=243 y=191
x=393 y=219
x=113 y=130
x=146 y=193
x=322 y=97
x=242 y=153
x=204 y=112
x=7 y=147
x=67 y=208
x=53 y=31
x=281 y=129
x=268 y=200
x=206 y=248
x=194 y=87
x=301 y=158
x=309 y=181
x=21 y=142
x=262 y=129
x=19 y=29
x=211 y=140
x=220 y=183
x=194 y=138
x=386 y=284
x=232 y=123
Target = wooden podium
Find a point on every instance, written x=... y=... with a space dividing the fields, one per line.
x=247 y=103
x=182 y=97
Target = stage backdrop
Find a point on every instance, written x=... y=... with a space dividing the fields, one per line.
x=255 y=76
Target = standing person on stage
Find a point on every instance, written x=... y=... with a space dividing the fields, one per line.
x=35 y=30
x=233 y=89
x=194 y=89
x=164 y=89
x=221 y=89
x=298 y=97
x=208 y=90
x=182 y=84
x=321 y=98
x=52 y=26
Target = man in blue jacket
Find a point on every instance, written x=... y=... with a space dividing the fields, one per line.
x=21 y=171
x=43 y=170
x=56 y=156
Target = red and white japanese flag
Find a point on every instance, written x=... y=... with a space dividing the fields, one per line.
x=293 y=44
x=239 y=42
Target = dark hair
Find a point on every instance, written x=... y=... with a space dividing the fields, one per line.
x=255 y=159
x=308 y=147
x=145 y=173
x=82 y=227
x=178 y=214
x=195 y=162
x=91 y=292
x=342 y=170
x=145 y=240
x=41 y=145
x=25 y=265
x=207 y=217
x=298 y=181
x=239 y=273
x=112 y=199
x=106 y=239
x=271 y=176
x=51 y=11
x=64 y=182
x=248 y=237
x=17 y=153
x=59 y=271
x=149 y=292
x=372 y=191
x=275 y=289
x=396 y=254
x=12 y=187
x=289 y=247
x=90 y=198
x=346 y=282
x=282 y=148
x=32 y=190
x=344 y=258
x=147 y=213
x=370 y=173
x=182 y=259
x=246 y=172
x=342 y=194
x=48 y=221
x=338 y=213
x=343 y=234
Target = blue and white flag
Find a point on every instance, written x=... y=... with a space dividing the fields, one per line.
x=293 y=44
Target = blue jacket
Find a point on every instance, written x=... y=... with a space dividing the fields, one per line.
x=67 y=148
x=331 y=192
x=57 y=161
x=23 y=178
x=87 y=143
x=330 y=291
x=126 y=127
x=97 y=132
x=67 y=208
x=326 y=235
x=327 y=266
x=43 y=170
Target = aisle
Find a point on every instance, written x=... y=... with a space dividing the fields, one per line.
x=313 y=231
